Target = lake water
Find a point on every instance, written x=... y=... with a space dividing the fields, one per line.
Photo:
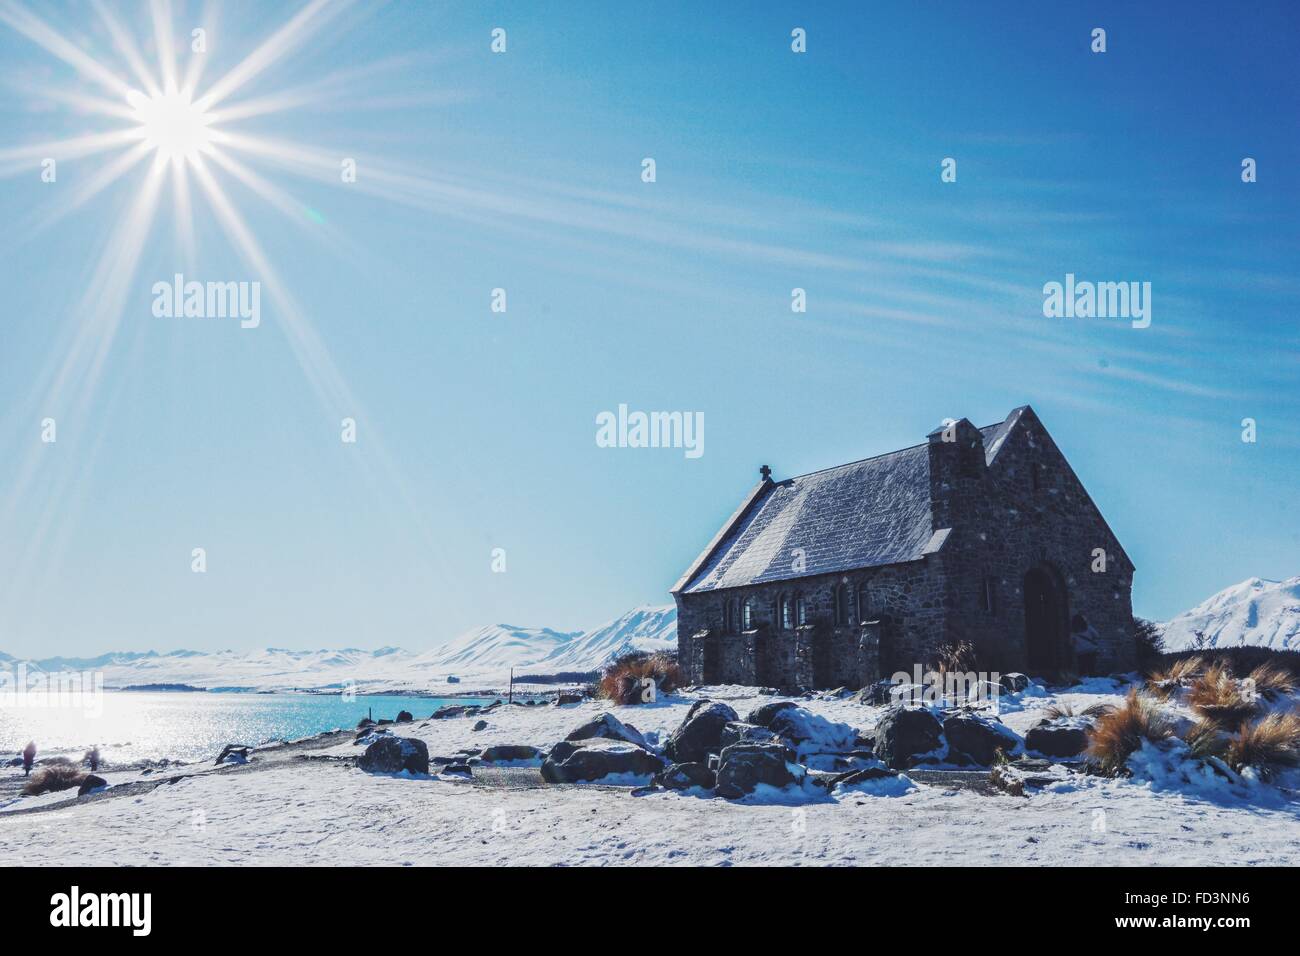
x=137 y=725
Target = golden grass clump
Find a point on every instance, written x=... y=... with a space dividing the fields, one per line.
x=1119 y=733
x=1269 y=745
x=1217 y=695
x=59 y=776
x=957 y=657
x=1271 y=681
x=623 y=680
x=1206 y=739
x=1176 y=675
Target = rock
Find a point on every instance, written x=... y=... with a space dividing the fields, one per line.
x=560 y=752
x=391 y=754
x=1014 y=683
x=700 y=732
x=365 y=722
x=91 y=782
x=384 y=722
x=233 y=753
x=684 y=776
x=455 y=710
x=562 y=699
x=886 y=692
x=978 y=738
x=735 y=732
x=404 y=717
x=811 y=733
x=762 y=715
x=505 y=753
x=1026 y=774
x=742 y=767
x=479 y=725
x=878 y=772
x=905 y=733
x=597 y=758
x=609 y=726
x=1058 y=737
x=457 y=769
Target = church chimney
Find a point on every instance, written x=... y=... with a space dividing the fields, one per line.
x=957 y=468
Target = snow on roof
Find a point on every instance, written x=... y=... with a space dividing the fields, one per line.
x=860 y=515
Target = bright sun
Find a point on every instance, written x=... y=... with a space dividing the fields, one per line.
x=172 y=124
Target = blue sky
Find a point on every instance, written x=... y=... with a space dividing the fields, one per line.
x=521 y=171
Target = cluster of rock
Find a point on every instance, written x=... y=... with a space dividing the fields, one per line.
x=778 y=744
x=908 y=736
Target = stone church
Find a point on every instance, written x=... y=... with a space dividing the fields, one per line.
x=842 y=577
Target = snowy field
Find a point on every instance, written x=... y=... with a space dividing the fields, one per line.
x=292 y=806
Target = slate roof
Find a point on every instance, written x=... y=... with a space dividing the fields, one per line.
x=860 y=515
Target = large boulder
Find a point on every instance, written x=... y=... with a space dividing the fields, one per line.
x=404 y=717
x=510 y=753
x=394 y=754
x=684 y=776
x=608 y=726
x=905 y=733
x=89 y=783
x=742 y=767
x=700 y=734
x=762 y=715
x=1058 y=736
x=811 y=733
x=737 y=732
x=877 y=694
x=598 y=758
x=978 y=737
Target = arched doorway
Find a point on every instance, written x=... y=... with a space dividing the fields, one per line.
x=1046 y=619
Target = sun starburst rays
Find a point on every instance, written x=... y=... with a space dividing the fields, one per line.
x=154 y=116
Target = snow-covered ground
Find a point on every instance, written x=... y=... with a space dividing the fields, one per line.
x=287 y=810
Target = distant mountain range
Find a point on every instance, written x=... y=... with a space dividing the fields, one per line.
x=1256 y=612
x=480 y=658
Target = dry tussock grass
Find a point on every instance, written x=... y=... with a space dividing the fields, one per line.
x=61 y=776
x=1121 y=731
x=1270 y=744
x=1176 y=675
x=1272 y=681
x=622 y=680
x=1217 y=695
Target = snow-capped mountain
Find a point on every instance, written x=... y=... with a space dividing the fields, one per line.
x=499 y=646
x=1255 y=612
x=482 y=657
x=643 y=628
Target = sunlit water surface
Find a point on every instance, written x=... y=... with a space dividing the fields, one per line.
x=130 y=726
